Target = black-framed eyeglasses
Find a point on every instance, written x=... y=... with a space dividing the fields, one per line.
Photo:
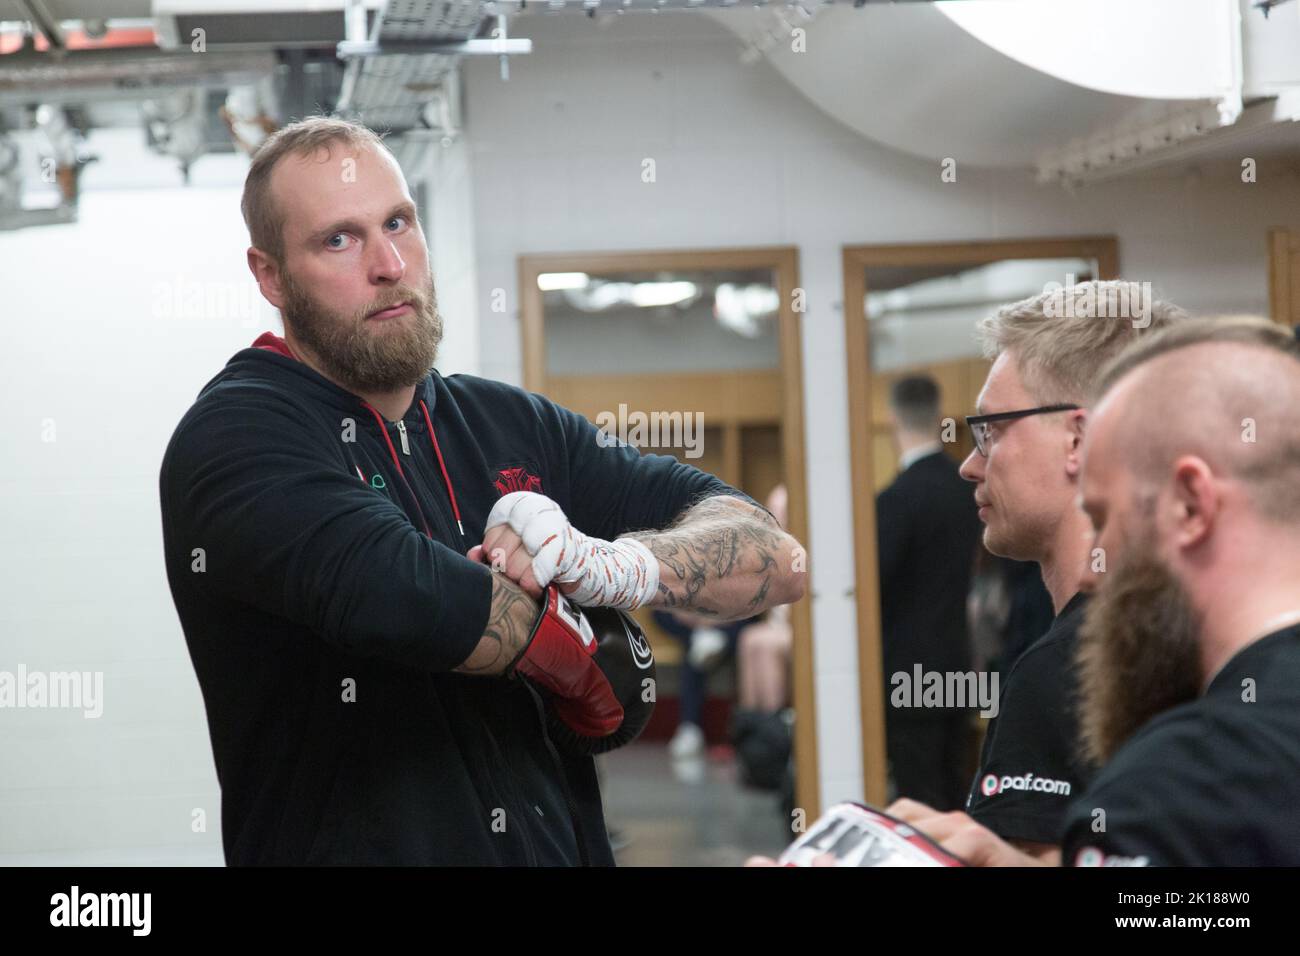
x=979 y=424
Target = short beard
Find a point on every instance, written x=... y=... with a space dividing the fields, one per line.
x=1138 y=650
x=1016 y=543
x=363 y=360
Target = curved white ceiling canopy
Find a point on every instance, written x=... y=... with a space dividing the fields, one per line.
x=1157 y=49
x=1061 y=85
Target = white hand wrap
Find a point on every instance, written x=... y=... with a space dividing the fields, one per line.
x=622 y=574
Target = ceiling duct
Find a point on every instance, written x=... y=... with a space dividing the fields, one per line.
x=396 y=86
x=257 y=24
x=123 y=73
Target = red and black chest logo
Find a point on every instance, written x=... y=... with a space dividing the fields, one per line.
x=517 y=479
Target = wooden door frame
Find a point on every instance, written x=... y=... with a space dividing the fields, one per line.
x=783 y=262
x=1282 y=245
x=857 y=344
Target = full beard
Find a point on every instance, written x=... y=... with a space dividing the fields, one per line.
x=368 y=360
x=1138 y=651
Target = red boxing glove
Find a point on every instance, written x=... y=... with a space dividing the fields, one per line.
x=560 y=655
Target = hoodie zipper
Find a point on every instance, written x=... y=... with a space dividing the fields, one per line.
x=516 y=794
x=415 y=501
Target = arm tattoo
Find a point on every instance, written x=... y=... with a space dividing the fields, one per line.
x=510 y=621
x=717 y=539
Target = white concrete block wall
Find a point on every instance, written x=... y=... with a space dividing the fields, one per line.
x=449 y=227
x=112 y=326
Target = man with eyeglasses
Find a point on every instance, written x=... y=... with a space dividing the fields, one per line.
x=1028 y=432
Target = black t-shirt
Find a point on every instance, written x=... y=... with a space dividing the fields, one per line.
x=1214 y=782
x=1031 y=765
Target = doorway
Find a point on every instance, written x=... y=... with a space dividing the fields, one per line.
x=709 y=334
x=911 y=309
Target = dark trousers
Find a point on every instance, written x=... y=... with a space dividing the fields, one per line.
x=929 y=757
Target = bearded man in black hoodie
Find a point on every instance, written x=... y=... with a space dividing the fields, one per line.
x=334 y=511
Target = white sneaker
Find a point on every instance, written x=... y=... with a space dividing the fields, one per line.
x=708 y=644
x=688 y=741
x=690 y=770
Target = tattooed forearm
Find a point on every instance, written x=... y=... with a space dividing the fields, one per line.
x=727 y=559
x=757 y=601
x=509 y=623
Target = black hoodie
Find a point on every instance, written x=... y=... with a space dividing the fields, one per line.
x=315 y=553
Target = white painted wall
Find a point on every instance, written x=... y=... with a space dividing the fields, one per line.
x=744 y=160
x=448 y=220
x=111 y=326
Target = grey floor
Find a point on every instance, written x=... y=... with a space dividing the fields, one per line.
x=142 y=856
x=663 y=812
x=673 y=813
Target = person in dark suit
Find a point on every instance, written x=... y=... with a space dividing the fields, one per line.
x=928 y=530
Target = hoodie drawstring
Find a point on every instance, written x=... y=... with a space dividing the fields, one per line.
x=455 y=510
x=451 y=492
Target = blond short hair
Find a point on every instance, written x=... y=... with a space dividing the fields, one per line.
x=304 y=138
x=1060 y=342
